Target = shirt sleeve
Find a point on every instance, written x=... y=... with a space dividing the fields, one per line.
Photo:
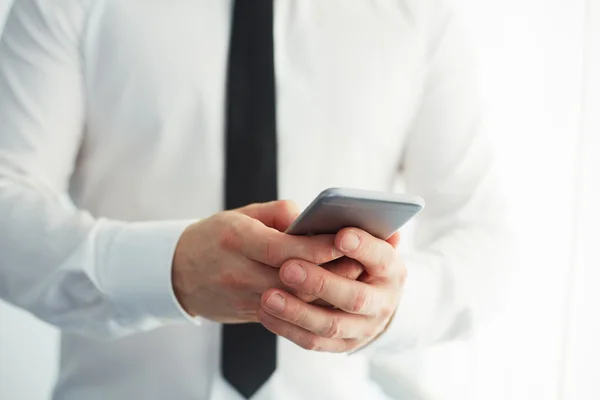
x=458 y=266
x=90 y=276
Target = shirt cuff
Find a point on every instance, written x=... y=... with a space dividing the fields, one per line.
x=415 y=318
x=134 y=269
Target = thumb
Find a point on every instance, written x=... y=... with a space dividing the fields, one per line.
x=275 y=214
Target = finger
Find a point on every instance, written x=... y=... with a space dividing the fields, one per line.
x=344 y=267
x=327 y=323
x=394 y=240
x=376 y=255
x=246 y=284
x=273 y=248
x=349 y=295
x=250 y=278
x=303 y=338
x=260 y=277
x=275 y=214
x=320 y=303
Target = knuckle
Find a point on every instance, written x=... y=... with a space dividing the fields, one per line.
x=381 y=269
x=345 y=346
x=225 y=216
x=387 y=311
x=311 y=343
x=364 y=249
x=334 y=330
x=321 y=285
x=360 y=302
x=317 y=255
x=321 y=251
x=386 y=259
x=322 y=349
x=355 y=269
x=298 y=315
x=382 y=258
x=244 y=225
x=280 y=205
x=251 y=226
x=305 y=297
x=230 y=239
x=287 y=331
x=371 y=332
x=273 y=252
x=286 y=206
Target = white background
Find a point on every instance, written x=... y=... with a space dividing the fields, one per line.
x=542 y=94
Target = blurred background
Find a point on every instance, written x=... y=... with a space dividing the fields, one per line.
x=540 y=67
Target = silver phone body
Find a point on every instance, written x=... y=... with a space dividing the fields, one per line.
x=379 y=213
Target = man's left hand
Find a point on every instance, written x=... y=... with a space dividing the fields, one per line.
x=363 y=308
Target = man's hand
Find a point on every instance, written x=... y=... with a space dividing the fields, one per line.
x=364 y=307
x=223 y=264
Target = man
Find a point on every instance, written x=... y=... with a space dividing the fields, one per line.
x=126 y=128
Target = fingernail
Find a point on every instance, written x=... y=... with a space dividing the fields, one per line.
x=294 y=273
x=350 y=241
x=275 y=303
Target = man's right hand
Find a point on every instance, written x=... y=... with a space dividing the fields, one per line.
x=222 y=265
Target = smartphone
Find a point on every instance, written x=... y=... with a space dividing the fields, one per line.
x=379 y=213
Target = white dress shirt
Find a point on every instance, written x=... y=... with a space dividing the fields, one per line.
x=112 y=142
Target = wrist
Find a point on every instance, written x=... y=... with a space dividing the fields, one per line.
x=181 y=268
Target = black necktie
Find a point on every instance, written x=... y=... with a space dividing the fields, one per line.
x=249 y=350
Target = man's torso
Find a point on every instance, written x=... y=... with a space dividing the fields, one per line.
x=349 y=75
